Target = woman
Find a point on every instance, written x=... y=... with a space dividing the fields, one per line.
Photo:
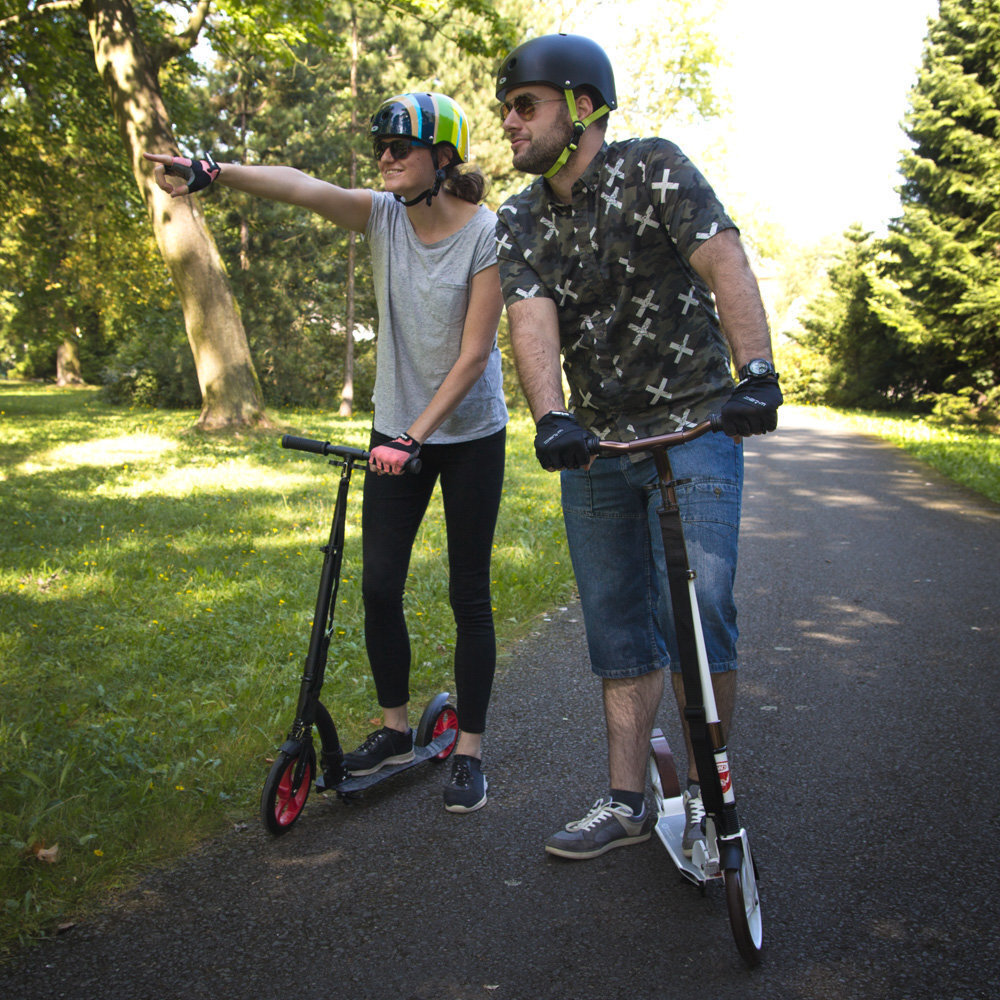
x=438 y=393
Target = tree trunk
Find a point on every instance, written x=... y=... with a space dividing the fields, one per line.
x=231 y=395
x=68 y=364
x=347 y=393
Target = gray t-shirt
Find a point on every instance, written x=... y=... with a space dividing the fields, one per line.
x=422 y=291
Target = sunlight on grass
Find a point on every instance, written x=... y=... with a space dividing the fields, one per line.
x=188 y=481
x=103 y=452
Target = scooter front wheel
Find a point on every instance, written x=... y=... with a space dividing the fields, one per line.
x=286 y=790
x=743 y=902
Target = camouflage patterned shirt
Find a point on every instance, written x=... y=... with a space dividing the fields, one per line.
x=641 y=344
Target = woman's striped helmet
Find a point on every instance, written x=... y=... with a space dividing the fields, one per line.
x=429 y=118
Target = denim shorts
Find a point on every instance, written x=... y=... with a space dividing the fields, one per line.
x=616 y=547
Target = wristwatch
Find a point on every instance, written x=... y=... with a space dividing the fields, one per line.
x=757 y=368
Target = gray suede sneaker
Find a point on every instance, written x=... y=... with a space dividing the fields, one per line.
x=608 y=824
x=694 y=820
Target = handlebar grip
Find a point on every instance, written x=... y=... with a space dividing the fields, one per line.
x=715 y=419
x=414 y=466
x=304 y=444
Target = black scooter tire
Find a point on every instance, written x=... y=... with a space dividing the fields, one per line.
x=286 y=790
x=439 y=716
x=743 y=903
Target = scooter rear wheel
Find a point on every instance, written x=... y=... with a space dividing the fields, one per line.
x=439 y=717
x=743 y=902
x=286 y=790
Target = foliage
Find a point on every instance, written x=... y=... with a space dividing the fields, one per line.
x=158 y=586
x=864 y=360
x=946 y=244
x=77 y=258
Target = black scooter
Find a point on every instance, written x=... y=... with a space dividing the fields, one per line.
x=294 y=771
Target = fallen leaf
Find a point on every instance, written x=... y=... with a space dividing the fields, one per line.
x=50 y=855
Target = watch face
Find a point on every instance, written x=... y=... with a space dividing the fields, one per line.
x=759 y=367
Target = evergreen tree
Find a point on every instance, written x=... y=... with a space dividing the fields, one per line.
x=862 y=359
x=946 y=243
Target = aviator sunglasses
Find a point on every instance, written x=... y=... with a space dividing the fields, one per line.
x=400 y=149
x=524 y=105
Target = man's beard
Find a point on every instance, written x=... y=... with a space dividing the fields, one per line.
x=543 y=151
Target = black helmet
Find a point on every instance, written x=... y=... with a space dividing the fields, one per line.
x=562 y=61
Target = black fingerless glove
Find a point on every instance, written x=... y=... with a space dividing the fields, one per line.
x=197 y=174
x=753 y=407
x=561 y=443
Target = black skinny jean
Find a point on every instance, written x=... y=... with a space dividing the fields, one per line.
x=471 y=475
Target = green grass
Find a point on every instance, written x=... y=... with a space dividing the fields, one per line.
x=156 y=591
x=967 y=455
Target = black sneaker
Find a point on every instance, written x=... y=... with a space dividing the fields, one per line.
x=466 y=790
x=384 y=746
x=608 y=824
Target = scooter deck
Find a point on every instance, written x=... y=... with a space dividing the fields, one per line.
x=420 y=754
x=670 y=829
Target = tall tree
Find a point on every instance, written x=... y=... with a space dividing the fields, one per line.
x=78 y=271
x=863 y=360
x=947 y=240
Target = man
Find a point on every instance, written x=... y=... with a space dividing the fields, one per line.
x=620 y=258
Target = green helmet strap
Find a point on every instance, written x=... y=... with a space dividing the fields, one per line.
x=579 y=127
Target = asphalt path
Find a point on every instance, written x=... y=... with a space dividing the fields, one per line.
x=865 y=752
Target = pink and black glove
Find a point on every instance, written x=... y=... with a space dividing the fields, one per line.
x=196 y=174
x=394 y=455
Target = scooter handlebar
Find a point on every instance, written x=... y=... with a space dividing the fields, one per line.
x=599 y=447
x=315 y=447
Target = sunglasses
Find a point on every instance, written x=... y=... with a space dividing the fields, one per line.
x=399 y=149
x=524 y=105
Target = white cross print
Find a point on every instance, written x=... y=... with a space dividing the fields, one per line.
x=645 y=220
x=681 y=349
x=624 y=261
x=710 y=233
x=612 y=200
x=659 y=393
x=504 y=243
x=565 y=292
x=506 y=208
x=527 y=293
x=682 y=420
x=641 y=331
x=646 y=303
x=688 y=300
x=615 y=172
x=550 y=227
x=585 y=401
x=614 y=361
x=664 y=184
